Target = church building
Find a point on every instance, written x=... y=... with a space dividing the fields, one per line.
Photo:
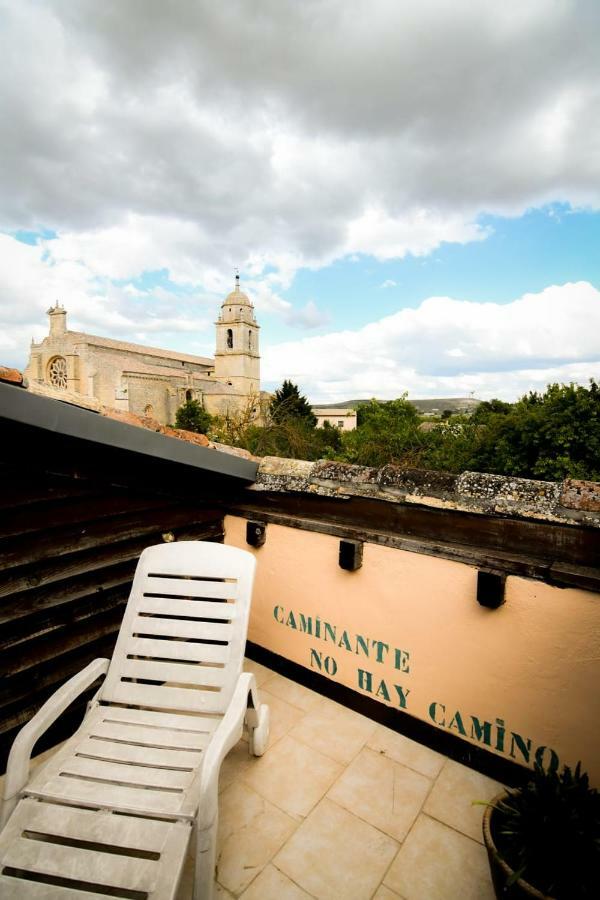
x=147 y=380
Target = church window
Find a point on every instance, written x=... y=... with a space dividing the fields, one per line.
x=189 y=396
x=249 y=340
x=229 y=339
x=57 y=372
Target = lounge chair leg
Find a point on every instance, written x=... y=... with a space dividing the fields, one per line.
x=206 y=854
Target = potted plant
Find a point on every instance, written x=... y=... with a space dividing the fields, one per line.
x=543 y=839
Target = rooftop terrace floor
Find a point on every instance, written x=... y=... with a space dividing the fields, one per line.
x=342 y=808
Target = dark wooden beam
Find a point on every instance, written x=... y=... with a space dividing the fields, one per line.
x=556 y=553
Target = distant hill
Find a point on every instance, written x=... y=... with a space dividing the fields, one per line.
x=432 y=407
x=439 y=404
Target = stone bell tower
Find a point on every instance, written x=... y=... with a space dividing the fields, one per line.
x=237 y=360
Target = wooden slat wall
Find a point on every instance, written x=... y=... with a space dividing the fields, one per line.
x=68 y=549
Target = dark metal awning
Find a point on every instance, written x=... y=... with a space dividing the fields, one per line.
x=39 y=424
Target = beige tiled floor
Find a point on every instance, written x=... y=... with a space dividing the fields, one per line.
x=341 y=808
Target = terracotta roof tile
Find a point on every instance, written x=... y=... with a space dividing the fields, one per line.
x=13 y=376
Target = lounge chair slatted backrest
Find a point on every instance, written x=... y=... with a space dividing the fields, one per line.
x=182 y=639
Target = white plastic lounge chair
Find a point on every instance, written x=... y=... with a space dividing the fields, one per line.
x=118 y=804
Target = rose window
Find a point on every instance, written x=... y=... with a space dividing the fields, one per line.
x=57 y=372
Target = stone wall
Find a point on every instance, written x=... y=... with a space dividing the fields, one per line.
x=569 y=502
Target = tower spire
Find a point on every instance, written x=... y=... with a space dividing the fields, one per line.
x=237 y=278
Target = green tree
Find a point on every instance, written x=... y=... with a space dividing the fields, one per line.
x=254 y=428
x=288 y=403
x=488 y=408
x=192 y=416
x=292 y=438
x=451 y=446
x=551 y=435
x=328 y=439
x=386 y=432
x=233 y=427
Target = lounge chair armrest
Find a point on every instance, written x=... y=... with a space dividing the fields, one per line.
x=17 y=770
x=226 y=735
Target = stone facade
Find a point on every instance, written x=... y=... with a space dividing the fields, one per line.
x=150 y=381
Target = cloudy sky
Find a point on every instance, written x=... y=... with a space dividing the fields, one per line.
x=411 y=190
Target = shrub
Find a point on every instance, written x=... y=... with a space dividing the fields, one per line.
x=192 y=416
x=548 y=831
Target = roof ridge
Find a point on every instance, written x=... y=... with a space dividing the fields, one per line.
x=140 y=348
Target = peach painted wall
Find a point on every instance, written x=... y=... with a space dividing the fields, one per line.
x=529 y=668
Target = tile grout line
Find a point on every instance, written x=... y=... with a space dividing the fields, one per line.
x=238 y=778
x=394 y=762
x=271 y=858
x=420 y=812
x=265 y=687
x=276 y=805
x=456 y=830
x=275 y=866
x=441 y=821
x=364 y=821
x=324 y=752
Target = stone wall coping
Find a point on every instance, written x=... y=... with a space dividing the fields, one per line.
x=573 y=501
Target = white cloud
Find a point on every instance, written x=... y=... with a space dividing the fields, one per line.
x=208 y=138
x=388 y=283
x=418 y=231
x=138 y=244
x=194 y=137
x=452 y=346
x=308 y=317
x=32 y=281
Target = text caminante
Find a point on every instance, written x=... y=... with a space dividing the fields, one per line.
x=365 y=647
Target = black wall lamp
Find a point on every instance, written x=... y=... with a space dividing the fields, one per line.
x=490 y=589
x=351 y=555
x=256 y=533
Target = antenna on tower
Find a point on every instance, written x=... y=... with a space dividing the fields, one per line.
x=237 y=277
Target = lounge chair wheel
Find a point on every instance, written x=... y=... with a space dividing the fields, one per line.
x=259 y=736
